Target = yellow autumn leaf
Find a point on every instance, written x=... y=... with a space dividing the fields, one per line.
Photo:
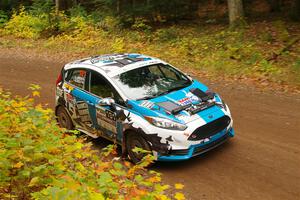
x=179 y=196
x=36 y=93
x=18 y=165
x=78 y=155
x=179 y=186
x=14 y=104
x=162 y=197
x=154 y=179
x=33 y=181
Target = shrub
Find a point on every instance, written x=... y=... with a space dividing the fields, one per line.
x=166 y=34
x=24 y=25
x=39 y=160
x=141 y=24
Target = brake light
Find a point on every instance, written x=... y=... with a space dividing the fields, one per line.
x=59 y=79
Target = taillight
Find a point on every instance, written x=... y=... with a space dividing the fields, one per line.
x=59 y=79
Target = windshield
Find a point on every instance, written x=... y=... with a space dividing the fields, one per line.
x=151 y=81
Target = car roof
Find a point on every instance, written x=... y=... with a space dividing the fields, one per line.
x=114 y=64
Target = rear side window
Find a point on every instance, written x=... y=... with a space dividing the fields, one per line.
x=77 y=77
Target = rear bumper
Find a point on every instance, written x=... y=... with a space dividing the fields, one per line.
x=194 y=150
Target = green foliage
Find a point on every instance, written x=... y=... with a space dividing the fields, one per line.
x=166 y=34
x=40 y=7
x=39 y=160
x=109 y=23
x=3 y=18
x=141 y=24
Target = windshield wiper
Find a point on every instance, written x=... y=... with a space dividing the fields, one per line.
x=146 y=97
x=171 y=90
x=162 y=93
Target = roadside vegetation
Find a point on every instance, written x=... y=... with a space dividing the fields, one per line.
x=261 y=52
x=38 y=160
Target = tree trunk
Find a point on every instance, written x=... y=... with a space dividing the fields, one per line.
x=236 y=12
x=62 y=4
x=296 y=10
x=58 y=5
x=118 y=6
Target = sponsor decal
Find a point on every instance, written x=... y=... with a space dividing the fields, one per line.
x=108 y=58
x=192 y=97
x=185 y=101
x=68 y=87
x=189 y=99
x=106 y=119
x=110 y=115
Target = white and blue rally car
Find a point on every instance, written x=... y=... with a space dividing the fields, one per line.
x=140 y=101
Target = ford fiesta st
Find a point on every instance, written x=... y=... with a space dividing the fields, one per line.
x=140 y=101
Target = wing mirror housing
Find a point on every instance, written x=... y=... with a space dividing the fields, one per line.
x=108 y=101
x=189 y=77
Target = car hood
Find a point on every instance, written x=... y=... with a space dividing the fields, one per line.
x=158 y=107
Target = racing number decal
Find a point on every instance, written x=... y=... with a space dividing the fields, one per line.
x=106 y=119
x=110 y=115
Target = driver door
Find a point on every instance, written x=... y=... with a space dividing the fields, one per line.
x=103 y=117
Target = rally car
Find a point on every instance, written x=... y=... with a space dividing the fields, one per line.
x=136 y=100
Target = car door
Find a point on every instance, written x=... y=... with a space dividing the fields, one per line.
x=103 y=116
x=76 y=97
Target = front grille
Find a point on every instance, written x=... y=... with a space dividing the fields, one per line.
x=202 y=149
x=210 y=129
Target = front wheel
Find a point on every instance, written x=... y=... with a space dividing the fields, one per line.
x=63 y=118
x=134 y=140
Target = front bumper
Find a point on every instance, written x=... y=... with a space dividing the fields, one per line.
x=194 y=150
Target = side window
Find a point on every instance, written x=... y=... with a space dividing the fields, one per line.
x=99 y=86
x=77 y=77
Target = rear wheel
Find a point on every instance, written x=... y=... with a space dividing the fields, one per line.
x=63 y=118
x=134 y=140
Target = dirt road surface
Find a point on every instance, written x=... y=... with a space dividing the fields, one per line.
x=261 y=162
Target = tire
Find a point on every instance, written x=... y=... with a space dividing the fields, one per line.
x=134 y=140
x=63 y=118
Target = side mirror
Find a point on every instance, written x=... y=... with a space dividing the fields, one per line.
x=108 y=101
x=189 y=76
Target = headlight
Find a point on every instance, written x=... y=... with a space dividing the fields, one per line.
x=165 y=123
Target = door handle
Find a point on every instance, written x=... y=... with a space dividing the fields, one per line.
x=90 y=103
